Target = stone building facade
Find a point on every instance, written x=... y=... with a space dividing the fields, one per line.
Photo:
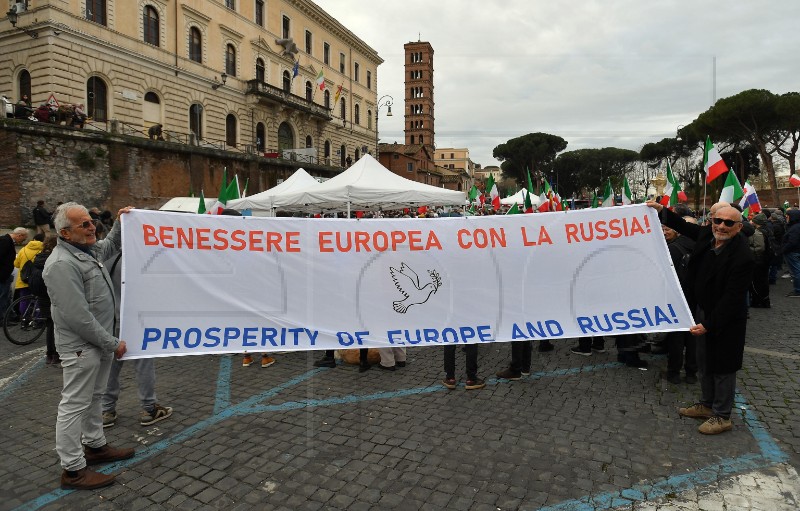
x=254 y=77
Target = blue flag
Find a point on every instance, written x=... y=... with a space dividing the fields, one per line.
x=296 y=69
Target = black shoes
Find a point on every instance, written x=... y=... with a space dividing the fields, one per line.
x=325 y=362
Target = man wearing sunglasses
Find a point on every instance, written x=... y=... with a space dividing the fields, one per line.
x=83 y=311
x=719 y=273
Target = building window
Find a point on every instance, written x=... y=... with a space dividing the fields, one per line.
x=369 y=80
x=343 y=155
x=452 y=156
x=369 y=119
x=24 y=82
x=412 y=139
x=420 y=140
x=96 y=11
x=195 y=45
x=357 y=154
x=357 y=114
x=356 y=69
x=409 y=165
x=150 y=25
x=260 y=71
x=341 y=63
x=327 y=151
x=309 y=41
x=327 y=96
x=230 y=130
x=152 y=97
x=309 y=142
x=97 y=94
x=230 y=60
x=196 y=120
x=326 y=54
x=287 y=25
x=230 y=4
x=309 y=91
x=260 y=137
x=343 y=110
x=285 y=137
x=287 y=82
x=260 y=13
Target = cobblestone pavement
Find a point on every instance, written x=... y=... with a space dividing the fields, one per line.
x=581 y=433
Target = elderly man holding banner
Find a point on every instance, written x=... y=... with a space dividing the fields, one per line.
x=718 y=275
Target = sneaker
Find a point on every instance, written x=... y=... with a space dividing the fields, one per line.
x=109 y=419
x=691 y=379
x=545 y=346
x=509 y=374
x=401 y=364
x=793 y=294
x=325 y=362
x=578 y=351
x=159 y=413
x=786 y=276
x=674 y=378
x=247 y=361
x=450 y=383
x=475 y=384
x=598 y=349
x=525 y=372
x=267 y=361
x=715 y=425
x=363 y=368
x=386 y=368
x=696 y=411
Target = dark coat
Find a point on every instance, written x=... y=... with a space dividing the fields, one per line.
x=791 y=240
x=719 y=290
x=7 y=255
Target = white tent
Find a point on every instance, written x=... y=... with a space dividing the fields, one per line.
x=185 y=204
x=519 y=198
x=368 y=185
x=264 y=203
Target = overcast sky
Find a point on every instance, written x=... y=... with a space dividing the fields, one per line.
x=618 y=73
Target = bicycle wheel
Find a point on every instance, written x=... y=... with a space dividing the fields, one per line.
x=24 y=327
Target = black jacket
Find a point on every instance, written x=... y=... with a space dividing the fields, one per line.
x=41 y=216
x=7 y=255
x=791 y=240
x=717 y=285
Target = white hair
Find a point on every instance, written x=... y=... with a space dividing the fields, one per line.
x=21 y=230
x=60 y=219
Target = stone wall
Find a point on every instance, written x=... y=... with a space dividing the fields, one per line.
x=59 y=164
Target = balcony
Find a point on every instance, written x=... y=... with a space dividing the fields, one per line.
x=269 y=94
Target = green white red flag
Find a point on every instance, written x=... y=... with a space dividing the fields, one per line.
x=713 y=163
x=491 y=188
x=626 y=193
x=732 y=190
x=608 y=196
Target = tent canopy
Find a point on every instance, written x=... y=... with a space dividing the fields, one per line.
x=368 y=185
x=263 y=203
x=185 y=204
x=519 y=198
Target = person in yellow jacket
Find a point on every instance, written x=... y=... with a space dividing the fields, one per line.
x=27 y=253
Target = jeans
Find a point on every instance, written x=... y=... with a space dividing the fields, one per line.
x=521 y=356
x=793 y=259
x=5 y=294
x=145 y=369
x=471 y=351
x=718 y=389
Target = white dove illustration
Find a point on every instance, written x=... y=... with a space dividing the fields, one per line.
x=409 y=286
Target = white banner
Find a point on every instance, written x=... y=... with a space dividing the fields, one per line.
x=196 y=284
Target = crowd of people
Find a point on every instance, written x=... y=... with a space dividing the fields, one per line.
x=725 y=263
x=73 y=115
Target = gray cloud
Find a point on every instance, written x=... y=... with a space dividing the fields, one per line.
x=597 y=73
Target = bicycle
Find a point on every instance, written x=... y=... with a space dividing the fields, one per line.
x=25 y=327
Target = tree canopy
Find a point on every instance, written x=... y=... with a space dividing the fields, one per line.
x=534 y=151
x=587 y=169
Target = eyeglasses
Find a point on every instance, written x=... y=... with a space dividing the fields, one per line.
x=85 y=225
x=728 y=223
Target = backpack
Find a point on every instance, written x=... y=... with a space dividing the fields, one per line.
x=25 y=272
x=36 y=283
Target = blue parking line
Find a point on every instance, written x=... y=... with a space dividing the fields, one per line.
x=770 y=452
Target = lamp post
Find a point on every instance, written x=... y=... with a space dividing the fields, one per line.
x=387 y=102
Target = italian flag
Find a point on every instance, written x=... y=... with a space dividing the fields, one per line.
x=321 y=80
x=201 y=208
x=713 y=163
x=608 y=196
x=626 y=193
x=732 y=190
x=473 y=194
x=514 y=210
x=544 y=198
x=671 y=190
x=528 y=201
x=491 y=187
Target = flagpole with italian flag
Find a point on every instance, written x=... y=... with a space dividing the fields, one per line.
x=713 y=165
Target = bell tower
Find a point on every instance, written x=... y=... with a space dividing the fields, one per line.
x=419 y=113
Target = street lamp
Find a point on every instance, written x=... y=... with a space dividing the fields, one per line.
x=13 y=16
x=388 y=104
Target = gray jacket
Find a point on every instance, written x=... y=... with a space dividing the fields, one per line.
x=82 y=295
